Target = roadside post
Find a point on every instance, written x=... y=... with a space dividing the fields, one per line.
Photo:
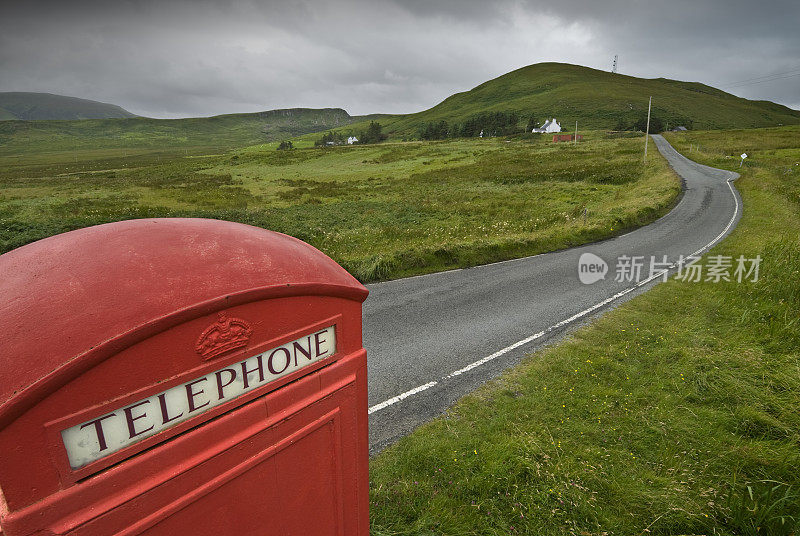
x=743 y=155
x=647 y=133
x=181 y=376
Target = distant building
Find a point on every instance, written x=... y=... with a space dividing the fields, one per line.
x=548 y=127
x=566 y=137
x=679 y=129
x=351 y=140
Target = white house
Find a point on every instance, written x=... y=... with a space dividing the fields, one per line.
x=548 y=127
x=351 y=140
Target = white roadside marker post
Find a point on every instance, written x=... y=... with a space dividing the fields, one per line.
x=744 y=155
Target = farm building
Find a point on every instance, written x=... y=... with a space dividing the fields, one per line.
x=351 y=140
x=548 y=127
x=566 y=137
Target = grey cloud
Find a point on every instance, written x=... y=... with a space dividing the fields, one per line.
x=184 y=58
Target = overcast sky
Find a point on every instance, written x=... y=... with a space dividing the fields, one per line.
x=163 y=58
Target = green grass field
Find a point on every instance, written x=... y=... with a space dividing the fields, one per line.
x=382 y=211
x=676 y=413
x=24 y=142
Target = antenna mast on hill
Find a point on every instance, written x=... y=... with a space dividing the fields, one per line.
x=614 y=66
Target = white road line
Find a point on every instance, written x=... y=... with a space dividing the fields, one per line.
x=398 y=398
x=523 y=342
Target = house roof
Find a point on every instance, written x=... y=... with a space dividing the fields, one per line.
x=546 y=124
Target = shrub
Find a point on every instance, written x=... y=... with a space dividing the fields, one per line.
x=331 y=138
x=490 y=123
x=373 y=134
x=656 y=124
x=434 y=131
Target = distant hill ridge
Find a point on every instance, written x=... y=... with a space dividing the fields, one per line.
x=595 y=99
x=219 y=132
x=28 y=106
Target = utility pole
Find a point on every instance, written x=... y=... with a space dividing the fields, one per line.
x=647 y=134
x=576 y=133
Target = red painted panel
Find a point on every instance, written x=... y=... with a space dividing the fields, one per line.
x=256 y=463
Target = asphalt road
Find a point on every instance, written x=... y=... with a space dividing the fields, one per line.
x=431 y=339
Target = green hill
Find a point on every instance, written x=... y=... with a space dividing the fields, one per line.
x=233 y=130
x=597 y=99
x=43 y=106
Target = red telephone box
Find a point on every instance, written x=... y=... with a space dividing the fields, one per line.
x=181 y=376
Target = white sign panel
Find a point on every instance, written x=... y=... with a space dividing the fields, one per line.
x=100 y=437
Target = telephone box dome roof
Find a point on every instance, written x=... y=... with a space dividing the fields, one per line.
x=63 y=296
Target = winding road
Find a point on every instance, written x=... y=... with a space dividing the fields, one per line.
x=431 y=339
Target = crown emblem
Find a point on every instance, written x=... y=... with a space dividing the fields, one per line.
x=224 y=335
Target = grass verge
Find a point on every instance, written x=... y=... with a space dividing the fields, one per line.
x=675 y=413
